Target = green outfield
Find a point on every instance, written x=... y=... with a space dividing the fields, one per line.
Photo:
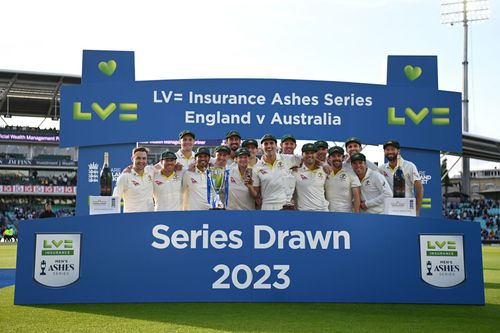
x=254 y=317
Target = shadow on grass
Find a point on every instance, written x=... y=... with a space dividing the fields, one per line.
x=298 y=317
x=491 y=285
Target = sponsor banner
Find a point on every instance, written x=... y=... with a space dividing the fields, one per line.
x=410 y=107
x=442 y=261
x=255 y=256
x=210 y=143
x=38 y=189
x=17 y=162
x=29 y=137
x=57 y=259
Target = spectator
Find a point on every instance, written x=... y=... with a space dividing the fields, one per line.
x=482 y=211
x=48 y=211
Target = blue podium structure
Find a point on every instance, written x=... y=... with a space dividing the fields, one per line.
x=253 y=256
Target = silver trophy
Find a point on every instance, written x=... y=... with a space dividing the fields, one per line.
x=289 y=182
x=217 y=187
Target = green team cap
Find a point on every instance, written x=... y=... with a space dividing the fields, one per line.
x=358 y=157
x=186 y=132
x=202 y=150
x=268 y=137
x=353 y=139
x=288 y=137
x=250 y=142
x=225 y=149
x=233 y=133
x=393 y=143
x=309 y=147
x=335 y=149
x=321 y=144
x=168 y=155
x=242 y=151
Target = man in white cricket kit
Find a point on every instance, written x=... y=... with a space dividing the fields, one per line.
x=233 y=141
x=374 y=187
x=241 y=192
x=194 y=183
x=322 y=152
x=185 y=155
x=310 y=182
x=288 y=144
x=342 y=186
x=269 y=173
x=353 y=146
x=136 y=187
x=252 y=146
x=167 y=184
x=413 y=183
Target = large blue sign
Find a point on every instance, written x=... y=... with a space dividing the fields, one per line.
x=259 y=256
x=122 y=110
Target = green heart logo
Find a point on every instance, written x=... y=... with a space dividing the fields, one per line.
x=412 y=73
x=107 y=68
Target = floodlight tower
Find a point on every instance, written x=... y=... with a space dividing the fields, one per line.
x=465 y=11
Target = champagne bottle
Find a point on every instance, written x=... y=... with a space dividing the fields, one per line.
x=106 y=179
x=399 y=181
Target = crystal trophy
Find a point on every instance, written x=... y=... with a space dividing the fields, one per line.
x=217 y=187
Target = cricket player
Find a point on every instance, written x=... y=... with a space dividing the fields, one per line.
x=413 y=182
x=185 y=155
x=269 y=173
x=233 y=141
x=241 y=192
x=342 y=186
x=136 y=186
x=167 y=184
x=252 y=146
x=288 y=144
x=374 y=187
x=194 y=183
x=320 y=155
x=310 y=182
x=353 y=146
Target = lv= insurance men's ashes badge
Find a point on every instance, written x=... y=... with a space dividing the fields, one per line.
x=442 y=260
x=57 y=259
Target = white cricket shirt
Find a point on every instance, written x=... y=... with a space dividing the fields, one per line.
x=136 y=190
x=167 y=191
x=338 y=188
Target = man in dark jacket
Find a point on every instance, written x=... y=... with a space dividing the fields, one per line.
x=48 y=211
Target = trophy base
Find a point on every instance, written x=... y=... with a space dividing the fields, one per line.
x=217 y=209
x=288 y=207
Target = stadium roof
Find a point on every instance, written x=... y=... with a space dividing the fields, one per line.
x=32 y=94
x=480 y=147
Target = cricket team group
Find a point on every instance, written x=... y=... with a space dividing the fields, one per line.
x=321 y=178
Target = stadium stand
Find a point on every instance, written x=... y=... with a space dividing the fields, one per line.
x=485 y=212
x=33 y=170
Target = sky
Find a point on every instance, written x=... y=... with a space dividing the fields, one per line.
x=334 y=40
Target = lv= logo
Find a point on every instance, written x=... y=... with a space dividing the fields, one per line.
x=104 y=113
x=417 y=117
